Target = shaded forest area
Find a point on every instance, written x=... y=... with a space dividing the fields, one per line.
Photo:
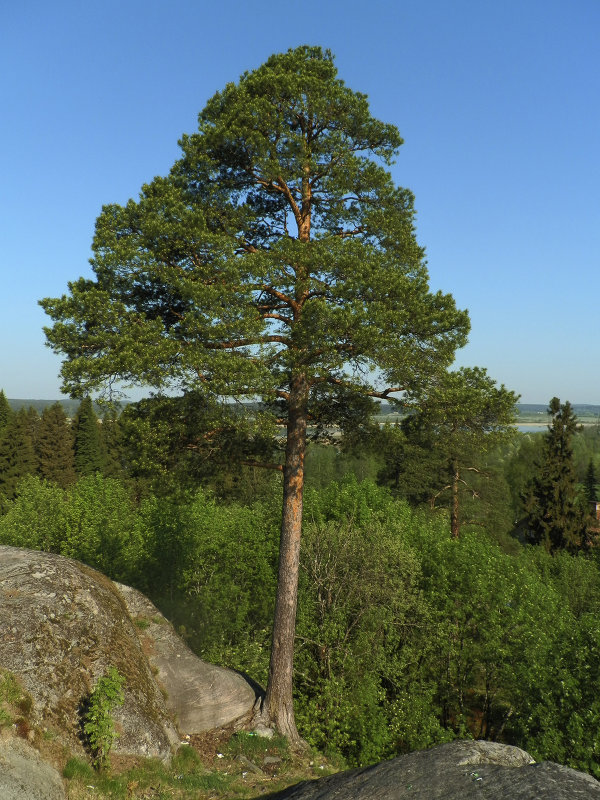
x=406 y=635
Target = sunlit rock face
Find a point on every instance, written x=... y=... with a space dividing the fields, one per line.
x=62 y=625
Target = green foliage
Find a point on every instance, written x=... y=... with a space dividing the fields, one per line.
x=520 y=465
x=76 y=768
x=172 y=445
x=98 y=724
x=6 y=412
x=591 y=482
x=37 y=518
x=229 y=562
x=255 y=747
x=104 y=528
x=94 y=521
x=441 y=451
x=14 y=700
x=89 y=456
x=17 y=455
x=556 y=517
x=54 y=446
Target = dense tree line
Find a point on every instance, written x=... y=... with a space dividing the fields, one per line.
x=406 y=636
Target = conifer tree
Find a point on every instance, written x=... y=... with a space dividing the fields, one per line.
x=439 y=452
x=556 y=517
x=89 y=456
x=17 y=455
x=54 y=446
x=278 y=261
x=591 y=482
x=6 y=412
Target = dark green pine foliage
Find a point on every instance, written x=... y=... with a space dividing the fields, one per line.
x=555 y=514
x=591 y=482
x=54 y=446
x=440 y=453
x=277 y=261
x=6 y=412
x=17 y=455
x=89 y=455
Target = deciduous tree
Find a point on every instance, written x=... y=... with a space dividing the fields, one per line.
x=277 y=260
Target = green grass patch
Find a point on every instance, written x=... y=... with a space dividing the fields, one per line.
x=255 y=747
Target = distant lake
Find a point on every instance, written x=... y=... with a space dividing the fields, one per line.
x=537 y=427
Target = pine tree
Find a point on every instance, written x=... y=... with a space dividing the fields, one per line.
x=555 y=514
x=17 y=455
x=440 y=451
x=54 y=446
x=89 y=456
x=277 y=260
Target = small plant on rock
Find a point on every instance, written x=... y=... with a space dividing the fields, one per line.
x=98 y=725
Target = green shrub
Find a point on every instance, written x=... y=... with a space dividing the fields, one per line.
x=98 y=723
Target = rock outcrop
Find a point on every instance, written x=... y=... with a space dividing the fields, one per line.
x=63 y=624
x=462 y=770
x=200 y=696
x=23 y=774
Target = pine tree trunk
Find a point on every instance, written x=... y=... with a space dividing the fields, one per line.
x=278 y=707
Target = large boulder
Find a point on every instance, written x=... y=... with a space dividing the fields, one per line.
x=62 y=625
x=200 y=696
x=464 y=770
x=23 y=774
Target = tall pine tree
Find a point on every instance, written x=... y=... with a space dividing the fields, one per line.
x=556 y=516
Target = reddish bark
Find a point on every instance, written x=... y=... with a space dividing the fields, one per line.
x=278 y=707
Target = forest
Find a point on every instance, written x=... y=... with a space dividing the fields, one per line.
x=392 y=583
x=406 y=636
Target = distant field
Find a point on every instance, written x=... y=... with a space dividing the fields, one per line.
x=529 y=413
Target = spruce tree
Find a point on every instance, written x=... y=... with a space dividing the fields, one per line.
x=591 y=482
x=555 y=514
x=17 y=455
x=89 y=456
x=6 y=412
x=54 y=446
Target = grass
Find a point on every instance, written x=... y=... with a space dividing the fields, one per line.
x=219 y=765
x=15 y=703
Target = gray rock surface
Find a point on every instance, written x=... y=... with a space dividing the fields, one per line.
x=200 y=696
x=63 y=624
x=23 y=774
x=462 y=770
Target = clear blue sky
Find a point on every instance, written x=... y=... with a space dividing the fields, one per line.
x=498 y=103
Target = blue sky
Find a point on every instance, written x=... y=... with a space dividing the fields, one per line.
x=498 y=104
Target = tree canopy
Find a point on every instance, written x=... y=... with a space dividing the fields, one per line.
x=278 y=261
x=457 y=421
